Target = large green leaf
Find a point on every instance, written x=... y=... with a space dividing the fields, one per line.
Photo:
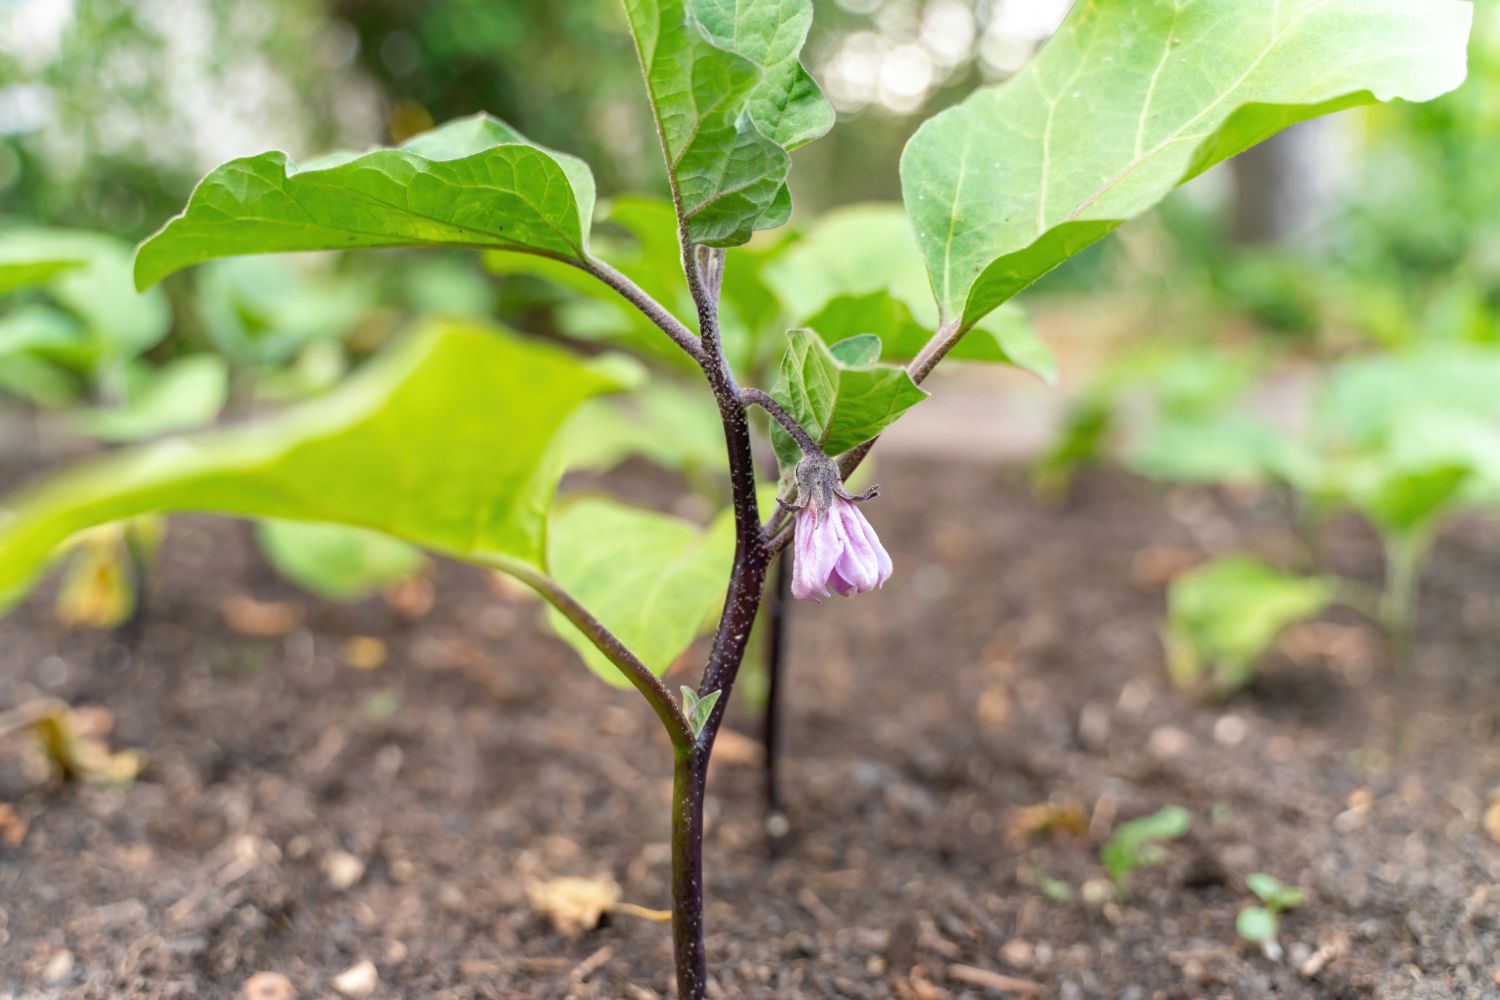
x=445 y=442
x=654 y=580
x=475 y=182
x=730 y=99
x=841 y=395
x=1129 y=100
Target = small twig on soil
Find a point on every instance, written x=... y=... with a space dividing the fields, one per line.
x=590 y=965
x=994 y=980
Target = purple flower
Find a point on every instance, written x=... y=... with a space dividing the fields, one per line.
x=835 y=546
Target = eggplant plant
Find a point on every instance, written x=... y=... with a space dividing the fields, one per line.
x=450 y=441
x=1403 y=440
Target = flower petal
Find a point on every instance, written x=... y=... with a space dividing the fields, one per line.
x=863 y=563
x=817 y=544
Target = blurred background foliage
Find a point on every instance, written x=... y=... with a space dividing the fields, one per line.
x=1369 y=242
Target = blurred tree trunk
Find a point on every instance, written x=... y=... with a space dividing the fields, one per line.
x=1284 y=189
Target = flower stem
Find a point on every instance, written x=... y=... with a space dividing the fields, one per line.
x=776 y=642
x=799 y=434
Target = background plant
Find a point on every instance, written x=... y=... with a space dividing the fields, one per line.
x=450 y=440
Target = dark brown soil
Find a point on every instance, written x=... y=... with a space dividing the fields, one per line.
x=1013 y=661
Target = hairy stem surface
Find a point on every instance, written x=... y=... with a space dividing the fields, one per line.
x=689 y=780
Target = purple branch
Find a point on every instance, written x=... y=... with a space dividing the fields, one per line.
x=649 y=307
x=646 y=682
x=764 y=400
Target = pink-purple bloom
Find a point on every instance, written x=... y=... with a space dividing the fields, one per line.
x=835 y=546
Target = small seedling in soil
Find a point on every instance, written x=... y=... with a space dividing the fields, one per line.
x=1260 y=924
x=456 y=439
x=1137 y=844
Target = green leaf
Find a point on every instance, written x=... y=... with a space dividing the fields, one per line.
x=1004 y=337
x=1126 y=102
x=839 y=394
x=181 y=395
x=649 y=255
x=1256 y=924
x=36 y=380
x=337 y=562
x=654 y=580
x=675 y=427
x=1215 y=448
x=786 y=105
x=730 y=100
x=1273 y=893
x=111 y=322
x=854 y=250
x=263 y=310
x=1224 y=615
x=698 y=709
x=1403 y=498
x=475 y=182
x=445 y=442
x=1134 y=844
x=18 y=274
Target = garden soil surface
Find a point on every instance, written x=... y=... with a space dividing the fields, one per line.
x=958 y=747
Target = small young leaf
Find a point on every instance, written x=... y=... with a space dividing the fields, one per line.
x=1135 y=843
x=837 y=393
x=18 y=274
x=1273 y=893
x=1256 y=923
x=698 y=709
x=1129 y=100
x=475 y=182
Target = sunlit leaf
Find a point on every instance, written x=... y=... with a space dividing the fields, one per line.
x=653 y=579
x=1129 y=100
x=474 y=182
x=445 y=442
x=675 y=427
